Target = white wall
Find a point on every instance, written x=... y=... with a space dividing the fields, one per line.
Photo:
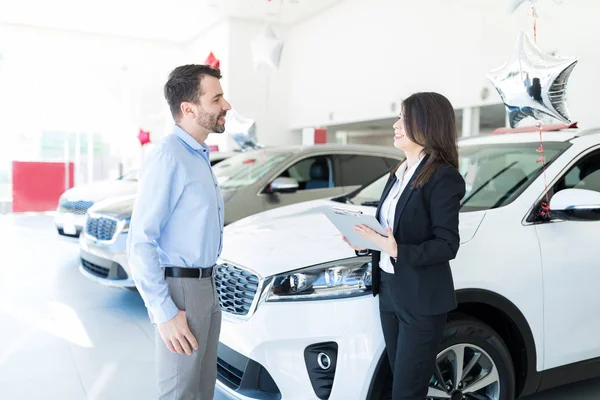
x=67 y=81
x=358 y=57
x=261 y=95
x=215 y=39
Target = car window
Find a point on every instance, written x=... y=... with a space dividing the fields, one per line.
x=495 y=174
x=312 y=173
x=245 y=169
x=355 y=169
x=585 y=174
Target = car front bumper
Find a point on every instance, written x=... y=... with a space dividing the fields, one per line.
x=279 y=340
x=69 y=224
x=105 y=263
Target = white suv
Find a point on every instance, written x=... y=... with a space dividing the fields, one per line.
x=300 y=322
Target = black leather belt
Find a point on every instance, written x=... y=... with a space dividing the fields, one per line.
x=197 y=273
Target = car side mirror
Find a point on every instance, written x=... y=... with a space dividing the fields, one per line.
x=284 y=185
x=575 y=205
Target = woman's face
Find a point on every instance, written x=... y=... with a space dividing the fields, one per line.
x=401 y=140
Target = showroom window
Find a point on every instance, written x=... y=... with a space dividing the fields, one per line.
x=354 y=169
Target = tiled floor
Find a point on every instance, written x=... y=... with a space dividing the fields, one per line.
x=63 y=337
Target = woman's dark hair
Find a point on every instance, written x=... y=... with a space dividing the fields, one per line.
x=429 y=121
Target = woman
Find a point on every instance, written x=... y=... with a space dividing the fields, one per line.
x=419 y=208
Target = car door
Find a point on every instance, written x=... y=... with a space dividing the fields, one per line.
x=571 y=266
x=355 y=170
x=316 y=180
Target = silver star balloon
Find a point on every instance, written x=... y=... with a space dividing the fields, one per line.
x=533 y=83
x=266 y=50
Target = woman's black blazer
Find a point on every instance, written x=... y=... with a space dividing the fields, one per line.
x=426 y=231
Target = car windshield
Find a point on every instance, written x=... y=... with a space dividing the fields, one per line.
x=495 y=174
x=244 y=169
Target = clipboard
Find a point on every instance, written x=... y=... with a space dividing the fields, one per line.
x=344 y=220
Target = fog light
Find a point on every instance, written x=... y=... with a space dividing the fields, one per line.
x=321 y=360
x=324 y=361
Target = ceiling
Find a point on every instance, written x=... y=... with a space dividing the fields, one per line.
x=170 y=20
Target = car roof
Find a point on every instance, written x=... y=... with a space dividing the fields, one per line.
x=334 y=147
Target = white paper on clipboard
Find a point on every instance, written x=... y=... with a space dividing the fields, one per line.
x=345 y=219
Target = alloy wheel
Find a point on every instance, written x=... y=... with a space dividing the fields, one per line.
x=464 y=372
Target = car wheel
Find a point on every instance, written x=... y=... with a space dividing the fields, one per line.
x=486 y=371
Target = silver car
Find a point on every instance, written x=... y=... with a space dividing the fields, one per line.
x=251 y=182
x=74 y=203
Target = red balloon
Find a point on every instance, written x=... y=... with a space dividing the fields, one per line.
x=144 y=137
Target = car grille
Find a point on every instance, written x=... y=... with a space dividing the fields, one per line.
x=236 y=289
x=244 y=375
x=101 y=228
x=229 y=374
x=75 y=207
x=95 y=269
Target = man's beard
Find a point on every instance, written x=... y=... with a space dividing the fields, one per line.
x=210 y=122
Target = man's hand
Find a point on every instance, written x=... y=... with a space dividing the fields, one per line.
x=386 y=243
x=177 y=335
x=349 y=244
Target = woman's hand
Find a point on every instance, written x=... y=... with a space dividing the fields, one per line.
x=386 y=243
x=349 y=244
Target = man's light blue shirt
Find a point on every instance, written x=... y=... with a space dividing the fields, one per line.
x=177 y=219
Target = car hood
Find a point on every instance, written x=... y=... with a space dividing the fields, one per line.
x=100 y=190
x=118 y=207
x=298 y=236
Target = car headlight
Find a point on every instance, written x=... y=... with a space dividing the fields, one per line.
x=339 y=279
x=126 y=225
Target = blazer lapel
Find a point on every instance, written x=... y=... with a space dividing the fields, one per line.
x=386 y=191
x=406 y=193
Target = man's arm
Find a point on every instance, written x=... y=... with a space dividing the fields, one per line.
x=160 y=187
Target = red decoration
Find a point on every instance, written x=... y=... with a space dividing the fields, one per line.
x=144 y=137
x=212 y=61
x=545 y=212
x=534 y=24
x=320 y=136
x=38 y=185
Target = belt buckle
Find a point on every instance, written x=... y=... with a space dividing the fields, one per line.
x=204 y=272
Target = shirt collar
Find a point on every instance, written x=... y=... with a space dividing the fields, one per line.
x=400 y=171
x=189 y=140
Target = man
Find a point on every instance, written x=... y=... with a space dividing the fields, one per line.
x=175 y=237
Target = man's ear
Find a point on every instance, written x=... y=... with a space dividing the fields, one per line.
x=187 y=109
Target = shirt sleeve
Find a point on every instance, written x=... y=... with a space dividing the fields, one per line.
x=161 y=185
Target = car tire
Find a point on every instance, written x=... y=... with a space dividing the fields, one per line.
x=483 y=351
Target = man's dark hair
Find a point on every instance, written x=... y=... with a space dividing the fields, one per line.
x=184 y=84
